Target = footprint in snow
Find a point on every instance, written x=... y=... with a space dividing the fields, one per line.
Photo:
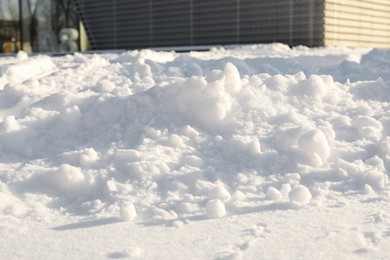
x=250 y=236
x=130 y=253
x=369 y=241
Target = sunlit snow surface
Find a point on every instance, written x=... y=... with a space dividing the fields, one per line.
x=234 y=153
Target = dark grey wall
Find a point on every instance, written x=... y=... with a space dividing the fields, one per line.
x=127 y=24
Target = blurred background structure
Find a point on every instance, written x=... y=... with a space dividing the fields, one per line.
x=40 y=26
x=72 y=25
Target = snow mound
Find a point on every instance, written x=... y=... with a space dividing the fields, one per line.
x=162 y=137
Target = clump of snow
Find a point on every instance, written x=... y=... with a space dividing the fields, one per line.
x=29 y=68
x=232 y=78
x=68 y=180
x=368 y=127
x=219 y=192
x=314 y=144
x=22 y=55
x=285 y=190
x=127 y=211
x=273 y=194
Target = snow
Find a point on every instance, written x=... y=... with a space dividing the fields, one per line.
x=215 y=209
x=247 y=152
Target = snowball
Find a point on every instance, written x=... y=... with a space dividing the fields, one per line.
x=215 y=209
x=232 y=78
x=273 y=194
x=127 y=212
x=220 y=192
x=368 y=189
x=300 y=194
x=315 y=142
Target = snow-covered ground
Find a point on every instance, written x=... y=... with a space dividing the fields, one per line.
x=251 y=152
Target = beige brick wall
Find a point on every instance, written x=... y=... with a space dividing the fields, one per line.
x=360 y=23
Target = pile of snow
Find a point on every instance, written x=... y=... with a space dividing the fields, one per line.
x=162 y=137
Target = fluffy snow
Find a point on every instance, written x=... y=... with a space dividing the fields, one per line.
x=233 y=153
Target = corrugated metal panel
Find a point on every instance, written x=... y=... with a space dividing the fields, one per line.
x=215 y=22
x=171 y=22
x=293 y=22
x=158 y=23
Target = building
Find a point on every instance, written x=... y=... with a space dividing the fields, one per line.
x=362 y=23
x=128 y=24
x=37 y=26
